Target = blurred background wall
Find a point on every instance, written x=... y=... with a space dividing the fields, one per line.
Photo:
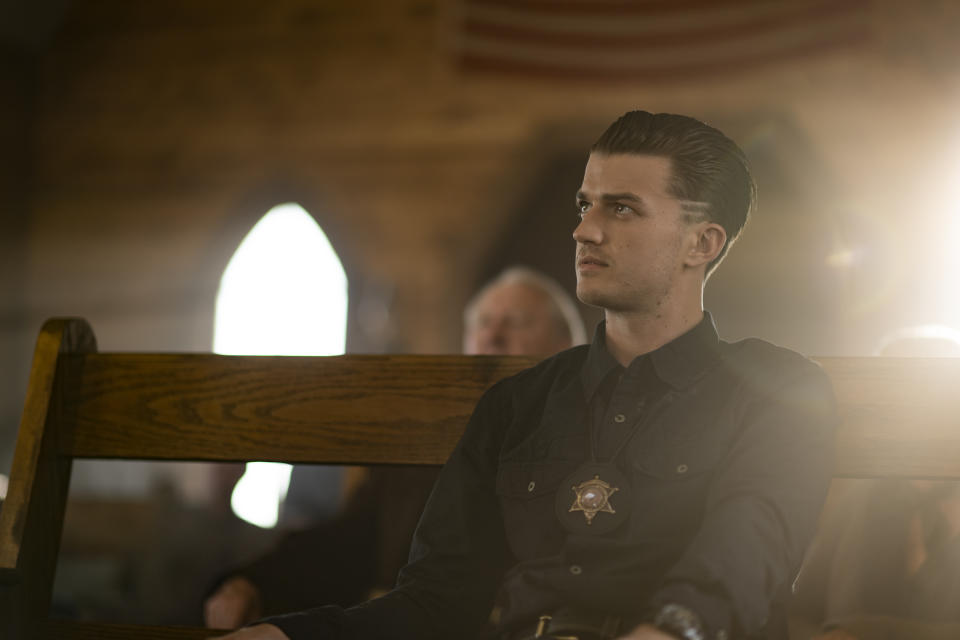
x=436 y=141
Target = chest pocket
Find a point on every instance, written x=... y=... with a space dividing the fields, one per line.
x=526 y=491
x=676 y=462
x=670 y=489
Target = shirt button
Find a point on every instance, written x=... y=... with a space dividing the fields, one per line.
x=575 y=569
x=531 y=486
x=619 y=417
x=682 y=468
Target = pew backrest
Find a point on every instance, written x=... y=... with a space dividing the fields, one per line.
x=899 y=419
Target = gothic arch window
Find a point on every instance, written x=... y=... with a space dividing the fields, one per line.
x=284 y=292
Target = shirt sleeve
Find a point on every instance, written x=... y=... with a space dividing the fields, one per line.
x=457 y=559
x=761 y=510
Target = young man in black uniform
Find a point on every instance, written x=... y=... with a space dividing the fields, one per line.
x=657 y=484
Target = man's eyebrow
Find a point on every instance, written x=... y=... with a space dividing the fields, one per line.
x=613 y=197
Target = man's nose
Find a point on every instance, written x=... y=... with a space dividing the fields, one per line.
x=496 y=332
x=589 y=230
x=491 y=340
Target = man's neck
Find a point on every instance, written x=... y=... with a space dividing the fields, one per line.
x=633 y=334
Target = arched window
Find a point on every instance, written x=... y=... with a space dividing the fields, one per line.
x=284 y=292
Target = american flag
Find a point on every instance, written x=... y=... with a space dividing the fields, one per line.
x=650 y=39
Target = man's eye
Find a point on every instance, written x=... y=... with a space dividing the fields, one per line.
x=622 y=209
x=582 y=207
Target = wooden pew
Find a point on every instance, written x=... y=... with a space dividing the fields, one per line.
x=900 y=418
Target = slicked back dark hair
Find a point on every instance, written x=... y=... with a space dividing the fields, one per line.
x=706 y=166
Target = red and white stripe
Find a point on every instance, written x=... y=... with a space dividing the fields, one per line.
x=650 y=39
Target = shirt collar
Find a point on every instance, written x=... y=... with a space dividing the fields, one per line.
x=679 y=363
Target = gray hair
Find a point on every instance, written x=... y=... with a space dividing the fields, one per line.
x=562 y=307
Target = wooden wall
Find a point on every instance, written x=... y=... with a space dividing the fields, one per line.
x=156 y=134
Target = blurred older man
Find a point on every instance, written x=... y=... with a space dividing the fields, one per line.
x=520 y=312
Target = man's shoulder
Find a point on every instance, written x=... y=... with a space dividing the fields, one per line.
x=526 y=392
x=544 y=374
x=565 y=362
x=763 y=363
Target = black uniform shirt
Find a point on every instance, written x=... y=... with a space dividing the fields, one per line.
x=725 y=452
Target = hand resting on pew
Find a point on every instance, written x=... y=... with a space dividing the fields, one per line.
x=234 y=604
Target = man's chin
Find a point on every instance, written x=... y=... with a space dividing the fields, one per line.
x=591 y=297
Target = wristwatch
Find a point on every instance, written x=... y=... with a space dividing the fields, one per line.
x=679 y=621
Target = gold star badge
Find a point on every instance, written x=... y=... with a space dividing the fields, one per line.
x=592 y=497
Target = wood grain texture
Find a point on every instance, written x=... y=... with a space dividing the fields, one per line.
x=31 y=520
x=348 y=409
x=57 y=336
x=899 y=416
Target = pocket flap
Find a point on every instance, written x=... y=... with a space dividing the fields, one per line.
x=530 y=479
x=678 y=462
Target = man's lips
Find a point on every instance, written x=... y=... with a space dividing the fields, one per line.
x=590 y=262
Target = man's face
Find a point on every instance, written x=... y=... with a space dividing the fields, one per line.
x=515 y=320
x=632 y=233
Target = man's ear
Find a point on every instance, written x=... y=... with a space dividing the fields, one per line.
x=709 y=240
